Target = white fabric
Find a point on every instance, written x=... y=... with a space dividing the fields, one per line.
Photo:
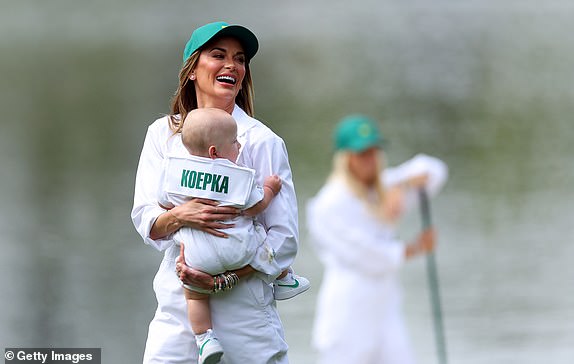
x=206 y=252
x=245 y=319
x=358 y=316
x=215 y=179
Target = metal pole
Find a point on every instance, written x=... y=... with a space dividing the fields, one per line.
x=433 y=283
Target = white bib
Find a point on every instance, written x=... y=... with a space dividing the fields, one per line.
x=215 y=179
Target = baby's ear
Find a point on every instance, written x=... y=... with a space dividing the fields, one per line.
x=212 y=152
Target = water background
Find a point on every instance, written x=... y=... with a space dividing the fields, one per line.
x=486 y=86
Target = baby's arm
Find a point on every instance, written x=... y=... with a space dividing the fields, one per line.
x=271 y=188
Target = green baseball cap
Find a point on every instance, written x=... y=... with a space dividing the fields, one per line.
x=205 y=33
x=357 y=133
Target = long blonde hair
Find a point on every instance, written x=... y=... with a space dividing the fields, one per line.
x=185 y=99
x=372 y=196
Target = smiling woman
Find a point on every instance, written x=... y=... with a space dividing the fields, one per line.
x=215 y=74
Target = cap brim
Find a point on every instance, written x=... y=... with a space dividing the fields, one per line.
x=367 y=144
x=245 y=37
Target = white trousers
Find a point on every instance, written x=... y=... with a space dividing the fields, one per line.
x=245 y=320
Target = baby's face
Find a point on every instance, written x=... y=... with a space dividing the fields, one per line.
x=229 y=148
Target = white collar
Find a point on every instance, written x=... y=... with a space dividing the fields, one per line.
x=244 y=121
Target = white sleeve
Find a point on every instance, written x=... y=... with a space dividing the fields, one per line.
x=280 y=217
x=434 y=168
x=163 y=197
x=145 y=208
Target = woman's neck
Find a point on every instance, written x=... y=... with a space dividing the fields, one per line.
x=225 y=105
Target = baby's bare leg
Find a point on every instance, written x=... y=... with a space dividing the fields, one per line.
x=198 y=311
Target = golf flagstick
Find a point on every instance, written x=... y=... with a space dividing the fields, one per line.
x=433 y=282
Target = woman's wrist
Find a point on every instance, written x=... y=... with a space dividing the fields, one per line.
x=174 y=222
x=244 y=272
x=166 y=224
x=224 y=282
x=412 y=250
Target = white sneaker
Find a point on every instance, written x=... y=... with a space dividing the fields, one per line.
x=210 y=350
x=290 y=286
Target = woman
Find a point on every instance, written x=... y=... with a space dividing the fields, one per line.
x=216 y=74
x=352 y=221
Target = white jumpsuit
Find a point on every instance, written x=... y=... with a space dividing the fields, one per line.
x=246 y=318
x=358 y=317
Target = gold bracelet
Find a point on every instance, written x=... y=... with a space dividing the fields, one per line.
x=225 y=281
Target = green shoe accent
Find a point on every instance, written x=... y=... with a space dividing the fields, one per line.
x=202 y=346
x=294 y=285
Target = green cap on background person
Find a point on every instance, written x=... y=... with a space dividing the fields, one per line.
x=357 y=133
x=205 y=33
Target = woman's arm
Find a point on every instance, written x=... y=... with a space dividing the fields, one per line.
x=419 y=171
x=145 y=209
x=269 y=156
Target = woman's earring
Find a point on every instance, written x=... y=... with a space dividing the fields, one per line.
x=192 y=77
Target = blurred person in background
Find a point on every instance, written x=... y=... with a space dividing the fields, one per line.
x=353 y=222
x=215 y=74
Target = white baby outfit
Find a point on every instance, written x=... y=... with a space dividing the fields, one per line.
x=184 y=178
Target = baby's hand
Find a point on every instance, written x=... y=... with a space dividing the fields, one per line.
x=274 y=183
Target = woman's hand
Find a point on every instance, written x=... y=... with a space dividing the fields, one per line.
x=417 y=181
x=198 y=278
x=205 y=215
x=192 y=276
x=424 y=244
x=198 y=213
